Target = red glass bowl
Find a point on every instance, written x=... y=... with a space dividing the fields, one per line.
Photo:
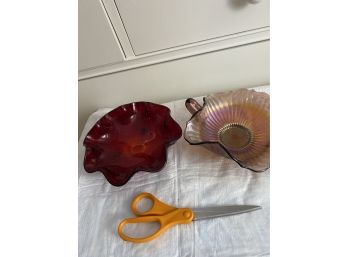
x=131 y=138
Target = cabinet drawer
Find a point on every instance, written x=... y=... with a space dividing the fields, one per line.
x=97 y=43
x=154 y=25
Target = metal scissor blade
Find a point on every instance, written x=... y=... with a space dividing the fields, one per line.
x=220 y=211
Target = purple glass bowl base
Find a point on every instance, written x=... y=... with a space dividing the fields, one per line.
x=233 y=124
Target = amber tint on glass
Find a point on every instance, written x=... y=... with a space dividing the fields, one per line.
x=236 y=121
x=131 y=138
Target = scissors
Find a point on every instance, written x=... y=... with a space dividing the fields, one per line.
x=168 y=216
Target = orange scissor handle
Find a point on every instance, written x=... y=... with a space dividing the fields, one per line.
x=167 y=216
x=158 y=208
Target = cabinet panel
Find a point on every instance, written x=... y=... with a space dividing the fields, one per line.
x=232 y=68
x=154 y=25
x=97 y=43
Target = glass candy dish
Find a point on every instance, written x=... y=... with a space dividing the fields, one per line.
x=234 y=124
x=131 y=138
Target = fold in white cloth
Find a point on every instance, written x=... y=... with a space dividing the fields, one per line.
x=192 y=177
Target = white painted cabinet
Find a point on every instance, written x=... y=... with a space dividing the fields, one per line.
x=98 y=44
x=154 y=25
x=161 y=50
x=118 y=35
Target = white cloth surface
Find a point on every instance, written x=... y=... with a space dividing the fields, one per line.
x=192 y=177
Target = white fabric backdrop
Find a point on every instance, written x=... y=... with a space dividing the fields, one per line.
x=192 y=177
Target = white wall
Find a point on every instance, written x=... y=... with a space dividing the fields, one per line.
x=242 y=66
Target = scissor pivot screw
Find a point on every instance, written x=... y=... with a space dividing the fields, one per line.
x=187 y=214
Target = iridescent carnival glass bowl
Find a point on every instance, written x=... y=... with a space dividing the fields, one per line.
x=131 y=138
x=234 y=124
